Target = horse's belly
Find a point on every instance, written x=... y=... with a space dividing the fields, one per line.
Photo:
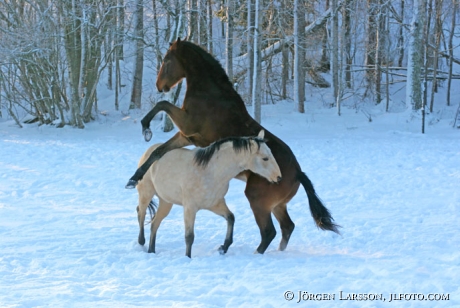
x=169 y=192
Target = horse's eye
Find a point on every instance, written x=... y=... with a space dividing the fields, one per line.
x=265 y=158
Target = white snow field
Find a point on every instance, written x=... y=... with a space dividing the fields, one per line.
x=68 y=228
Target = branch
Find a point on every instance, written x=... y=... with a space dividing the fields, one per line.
x=289 y=40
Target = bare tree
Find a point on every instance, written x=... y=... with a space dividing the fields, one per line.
x=229 y=39
x=299 y=55
x=346 y=26
x=257 y=89
x=414 y=65
x=250 y=46
x=335 y=54
x=437 y=33
x=400 y=45
x=451 y=48
x=209 y=25
x=284 y=24
x=136 y=94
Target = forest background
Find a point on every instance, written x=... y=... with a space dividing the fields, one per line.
x=55 y=56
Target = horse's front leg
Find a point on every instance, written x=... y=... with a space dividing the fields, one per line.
x=177 y=141
x=189 y=221
x=178 y=116
x=221 y=209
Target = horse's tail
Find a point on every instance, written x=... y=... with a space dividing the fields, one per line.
x=152 y=209
x=319 y=212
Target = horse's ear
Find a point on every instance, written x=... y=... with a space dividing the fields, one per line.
x=261 y=134
x=178 y=39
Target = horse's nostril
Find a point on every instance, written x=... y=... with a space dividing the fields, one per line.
x=279 y=179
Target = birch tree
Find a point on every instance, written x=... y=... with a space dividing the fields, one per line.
x=415 y=61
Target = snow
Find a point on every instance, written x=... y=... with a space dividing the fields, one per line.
x=68 y=228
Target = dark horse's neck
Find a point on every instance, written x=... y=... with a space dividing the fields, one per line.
x=202 y=68
x=208 y=85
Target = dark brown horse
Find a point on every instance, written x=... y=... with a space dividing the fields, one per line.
x=213 y=110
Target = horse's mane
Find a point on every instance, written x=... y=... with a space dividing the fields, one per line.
x=217 y=71
x=203 y=156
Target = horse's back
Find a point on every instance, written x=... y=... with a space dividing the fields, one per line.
x=171 y=173
x=147 y=153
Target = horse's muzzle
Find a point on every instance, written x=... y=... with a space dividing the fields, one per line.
x=164 y=89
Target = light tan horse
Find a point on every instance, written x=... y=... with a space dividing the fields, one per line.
x=199 y=179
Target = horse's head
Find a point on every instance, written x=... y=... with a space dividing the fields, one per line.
x=263 y=162
x=171 y=71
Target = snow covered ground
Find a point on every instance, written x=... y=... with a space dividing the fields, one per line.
x=68 y=228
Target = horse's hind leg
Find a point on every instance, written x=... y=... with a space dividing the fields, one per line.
x=261 y=203
x=221 y=209
x=286 y=224
x=145 y=191
x=163 y=210
x=265 y=223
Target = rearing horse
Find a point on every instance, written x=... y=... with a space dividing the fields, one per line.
x=213 y=110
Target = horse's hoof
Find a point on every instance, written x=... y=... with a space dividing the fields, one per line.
x=141 y=241
x=221 y=250
x=131 y=184
x=147 y=134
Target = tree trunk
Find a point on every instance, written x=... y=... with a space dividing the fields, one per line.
x=371 y=42
x=335 y=54
x=120 y=28
x=73 y=45
x=378 y=52
x=414 y=65
x=438 y=34
x=284 y=17
x=192 y=21
x=257 y=89
x=299 y=55
x=325 y=62
x=451 y=48
x=209 y=25
x=347 y=41
x=229 y=39
x=136 y=94
x=157 y=36
x=426 y=55
x=400 y=45
x=250 y=47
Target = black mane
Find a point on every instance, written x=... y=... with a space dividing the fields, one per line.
x=204 y=155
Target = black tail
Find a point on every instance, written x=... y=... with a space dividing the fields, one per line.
x=152 y=209
x=319 y=212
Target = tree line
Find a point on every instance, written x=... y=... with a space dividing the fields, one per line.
x=54 y=52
